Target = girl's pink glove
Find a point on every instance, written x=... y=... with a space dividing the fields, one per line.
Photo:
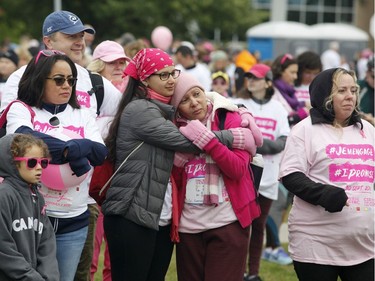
x=244 y=139
x=248 y=121
x=197 y=133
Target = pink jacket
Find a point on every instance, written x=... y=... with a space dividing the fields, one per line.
x=234 y=166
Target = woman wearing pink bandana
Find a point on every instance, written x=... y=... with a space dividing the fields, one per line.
x=138 y=207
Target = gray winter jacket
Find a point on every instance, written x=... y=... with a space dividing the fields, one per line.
x=138 y=189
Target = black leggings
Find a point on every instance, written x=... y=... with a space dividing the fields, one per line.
x=137 y=253
x=257 y=236
x=313 y=272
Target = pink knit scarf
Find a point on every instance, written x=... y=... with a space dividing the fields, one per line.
x=155 y=96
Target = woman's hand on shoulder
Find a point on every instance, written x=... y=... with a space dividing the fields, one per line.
x=197 y=133
x=248 y=121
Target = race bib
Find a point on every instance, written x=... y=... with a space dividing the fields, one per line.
x=196 y=171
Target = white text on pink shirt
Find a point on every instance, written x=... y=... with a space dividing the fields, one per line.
x=351 y=173
x=359 y=177
x=350 y=151
x=83 y=98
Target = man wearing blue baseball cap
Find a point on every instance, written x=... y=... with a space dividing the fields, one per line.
x=65 y=22
x=64 y=31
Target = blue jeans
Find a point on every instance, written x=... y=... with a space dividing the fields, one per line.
x=69 y=249
x=83 y=269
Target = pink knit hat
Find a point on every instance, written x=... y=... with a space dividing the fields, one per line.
x=184 y=83
x=109 y=51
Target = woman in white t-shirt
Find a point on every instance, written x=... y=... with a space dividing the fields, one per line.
x=272 y=120
x=328 y=164
x=309 y=65
x=51 y=112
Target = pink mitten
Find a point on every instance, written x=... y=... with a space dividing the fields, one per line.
x=197 y=133
x=248 y=121
x=244 y=139
x=180 y=158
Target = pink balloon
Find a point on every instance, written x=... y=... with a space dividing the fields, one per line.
x=60 y=177
x=161 y=37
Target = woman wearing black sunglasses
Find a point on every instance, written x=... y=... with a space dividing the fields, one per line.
x=48 y=88
x=27 y=240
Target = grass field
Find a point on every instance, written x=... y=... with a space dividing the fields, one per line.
x=268 y=271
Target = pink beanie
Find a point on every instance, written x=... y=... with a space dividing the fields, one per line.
x=184 y=83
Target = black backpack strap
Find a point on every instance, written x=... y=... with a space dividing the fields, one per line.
x=222 y=114
x=97 y=89
x=255 y=171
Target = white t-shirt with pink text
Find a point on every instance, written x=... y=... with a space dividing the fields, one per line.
x=272 y=120
x=74 y=124
x=302 y=93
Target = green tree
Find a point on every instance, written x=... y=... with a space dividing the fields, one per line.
x=188 y=20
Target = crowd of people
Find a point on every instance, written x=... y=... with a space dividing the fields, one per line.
x=178 y=128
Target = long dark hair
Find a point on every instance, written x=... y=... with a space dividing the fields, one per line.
x=307 y=60
x=31 y=85
x=281 y=63
x=244 y=93
x=134 y=89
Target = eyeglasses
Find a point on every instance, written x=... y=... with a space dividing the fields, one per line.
x=32 y=162
x=54 y=121
x=59 y=81
x=165 y=75
x=47 y=53
x=286 y=57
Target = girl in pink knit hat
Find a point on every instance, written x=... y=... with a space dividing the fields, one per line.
x=216 y=196
x=141 y=203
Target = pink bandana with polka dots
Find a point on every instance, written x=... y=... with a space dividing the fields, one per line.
x=146 y=62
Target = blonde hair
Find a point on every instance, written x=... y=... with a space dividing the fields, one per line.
x=24 y=56
x=96 y=65
x=133 y=47
x=336 y=76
